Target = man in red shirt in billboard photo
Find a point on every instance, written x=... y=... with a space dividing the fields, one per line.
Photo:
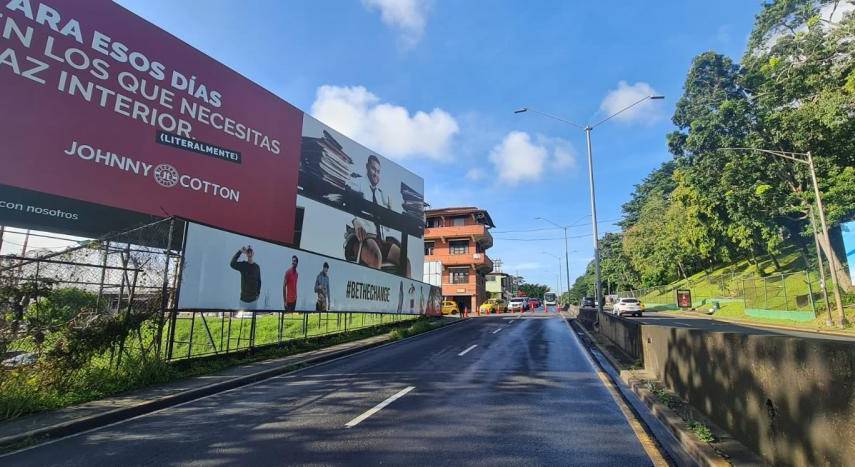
x=289 y=286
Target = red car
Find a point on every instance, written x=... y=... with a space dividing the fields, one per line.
x=533 y=303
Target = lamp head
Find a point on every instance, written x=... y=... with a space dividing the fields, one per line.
x=657 y=97
x=521 y=110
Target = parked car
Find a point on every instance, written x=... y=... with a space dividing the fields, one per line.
x=493 y=305
x=450 y=308
x=588 y=302
x=517 y=304
x=533 y=303
x=628 y=306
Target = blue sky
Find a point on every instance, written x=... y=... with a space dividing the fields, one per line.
x=433 y=85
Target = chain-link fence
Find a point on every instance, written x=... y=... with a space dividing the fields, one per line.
x=787 y=292
x=90 y=296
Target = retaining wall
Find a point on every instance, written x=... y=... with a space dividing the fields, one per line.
x=791 y=400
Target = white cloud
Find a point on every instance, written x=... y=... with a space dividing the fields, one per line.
x=475 y=174
x=386 y=128
x=407 y=16
x=518 y=158
x=625 y=94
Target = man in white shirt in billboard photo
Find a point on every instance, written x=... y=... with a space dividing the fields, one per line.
x=374 y=246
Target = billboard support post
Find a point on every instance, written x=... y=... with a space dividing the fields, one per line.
x=164 y=297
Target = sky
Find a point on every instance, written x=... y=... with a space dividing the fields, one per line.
x=432 y=84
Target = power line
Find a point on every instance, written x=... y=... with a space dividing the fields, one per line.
x=541 y=229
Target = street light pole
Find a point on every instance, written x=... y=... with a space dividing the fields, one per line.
x=826 y=239
x=566 y=253
x=588 y=129
x=594 y=219
x=558 y=289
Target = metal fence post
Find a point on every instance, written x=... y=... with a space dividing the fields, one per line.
x=305 y=325
x=810 y=292
x=786 y=297
x=164 y=299
x=765 y=295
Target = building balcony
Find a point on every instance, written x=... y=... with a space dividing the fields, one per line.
x=479 y=261
x=477 y=232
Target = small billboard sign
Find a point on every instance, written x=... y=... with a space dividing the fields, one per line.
x=684 y=298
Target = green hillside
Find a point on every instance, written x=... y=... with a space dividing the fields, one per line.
x=761 y=293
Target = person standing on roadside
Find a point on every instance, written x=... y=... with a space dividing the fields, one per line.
x=250 y=278
x=289 y=286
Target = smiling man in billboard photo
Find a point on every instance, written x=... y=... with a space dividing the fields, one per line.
x=289 y=286
x=250 y=278
x=322 y=288
x=373 y=246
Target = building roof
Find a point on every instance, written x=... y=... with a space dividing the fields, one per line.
x=480 y=214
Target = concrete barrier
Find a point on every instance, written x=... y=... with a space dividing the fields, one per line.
x=588 y=318
x=791 y=400
x=624 y=333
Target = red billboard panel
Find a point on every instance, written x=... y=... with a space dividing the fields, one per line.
x=102 y=107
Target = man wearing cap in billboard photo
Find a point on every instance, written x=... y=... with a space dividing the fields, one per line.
x=289 y=286
x=374 y=246
x=250 y=278
x=322 y=288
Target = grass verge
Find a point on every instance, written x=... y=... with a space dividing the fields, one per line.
x=24 y=391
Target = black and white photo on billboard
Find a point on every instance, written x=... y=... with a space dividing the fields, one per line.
x=358 y=205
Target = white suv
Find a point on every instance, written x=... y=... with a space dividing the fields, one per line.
x=628 y=306
x=517 y=304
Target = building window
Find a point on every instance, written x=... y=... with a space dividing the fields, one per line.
x=458 y=247
x=433 y=222
x=459 y=276
x=428 y=248
x=458 y=221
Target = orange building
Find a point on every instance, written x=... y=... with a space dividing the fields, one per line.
x=456 y=241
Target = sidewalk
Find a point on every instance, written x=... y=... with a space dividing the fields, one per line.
x=18 y=433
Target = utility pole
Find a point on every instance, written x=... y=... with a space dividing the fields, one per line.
x=841 y=316
x=807 y=158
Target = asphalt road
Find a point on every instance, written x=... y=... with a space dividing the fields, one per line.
x=489 y=391
x=707 y=324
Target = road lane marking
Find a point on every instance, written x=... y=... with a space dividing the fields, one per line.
x=497 y=330
x=379 y=407
x=467 y=350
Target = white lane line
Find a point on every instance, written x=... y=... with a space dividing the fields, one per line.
x=467 y=350
x=497 y=330
x=379 y=407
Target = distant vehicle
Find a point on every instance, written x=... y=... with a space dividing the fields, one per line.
x=533 y=303
x=450 y=308
x=550 y=299
x=517 y=304
x=494 y=305
x=588 y=302
x=628 y=306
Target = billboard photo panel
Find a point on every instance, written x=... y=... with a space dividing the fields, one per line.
x=359 y=205
x=227 y=271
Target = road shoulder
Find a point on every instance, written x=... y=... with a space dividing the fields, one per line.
x=675 y=415
x=31 y=430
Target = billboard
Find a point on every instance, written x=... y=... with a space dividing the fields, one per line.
x=358 y=205
x=847 y=231
x=227 y=271
x=106 y=115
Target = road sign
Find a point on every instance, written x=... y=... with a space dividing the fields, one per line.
x=684 y=298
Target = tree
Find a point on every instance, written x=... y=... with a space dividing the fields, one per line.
x=533 y=290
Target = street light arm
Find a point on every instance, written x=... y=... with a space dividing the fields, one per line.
x=551 y=222
x=623 y=110
x=784 y=154
x=529 y=109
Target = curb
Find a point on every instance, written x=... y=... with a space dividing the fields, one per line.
x=9 y=444
x=703 y=453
